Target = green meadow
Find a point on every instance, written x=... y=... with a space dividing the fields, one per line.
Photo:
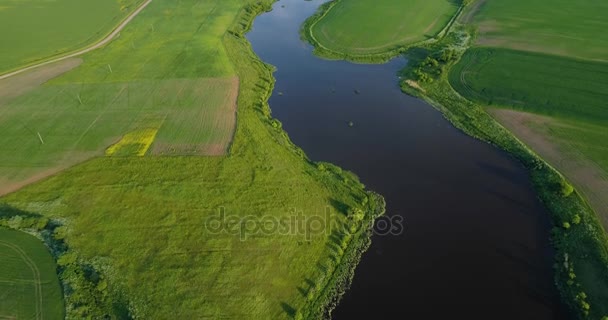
x=29 y=287
x=146 y=223
x=560 y=27
x=375 y=26
x=33 y=30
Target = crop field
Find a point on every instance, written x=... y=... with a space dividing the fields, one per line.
x=560 y=27
x=543 y=84
x=153 y=76
x=373 y=26
x=540 y=70
x=573 y=93
x=38 y=29
x=151 y=222
x=29 y=287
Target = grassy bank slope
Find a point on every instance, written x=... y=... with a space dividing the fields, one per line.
x=561 y=27
x=29 y=287
x=150 y=224
x=35 y=30
x=370 y=30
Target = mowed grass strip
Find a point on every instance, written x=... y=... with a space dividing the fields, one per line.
x=373 y=26
x=32 y=30
x=29 y=287
x=561 y=27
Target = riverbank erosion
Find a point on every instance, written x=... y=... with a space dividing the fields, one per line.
x=581 y=259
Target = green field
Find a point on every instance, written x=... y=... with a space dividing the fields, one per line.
x=144 y=221
x=560 y=27
x=163 y=73
x=29 y=288
x=572 y=92
x=32 y=30
x=550 y=61
x=374 y=26
x=543 y=84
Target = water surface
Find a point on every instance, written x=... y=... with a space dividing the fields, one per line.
x=475 y=244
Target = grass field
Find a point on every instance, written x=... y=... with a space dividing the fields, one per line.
x=561 y=27
x=144 y=221
x=171 y=75
x=29 y=287
x=373 y=26
x=38 y=29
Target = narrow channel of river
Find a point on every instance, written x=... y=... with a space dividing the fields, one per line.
x=476 y=239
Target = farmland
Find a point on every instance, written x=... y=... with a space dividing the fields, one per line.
x=543 y=70
x=186 y=91
x=35 y=30
x=29 y=288
x=376 y=26
x=567 y=28
x=543 y=84
x=570 y=90
x=146 y=108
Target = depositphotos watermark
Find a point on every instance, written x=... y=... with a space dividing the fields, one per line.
x=295 y=223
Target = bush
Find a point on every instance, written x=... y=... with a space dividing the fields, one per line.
x=566 y=189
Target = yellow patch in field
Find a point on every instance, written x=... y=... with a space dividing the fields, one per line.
x=133 y=143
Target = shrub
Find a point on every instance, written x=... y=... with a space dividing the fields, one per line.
x=566 y=189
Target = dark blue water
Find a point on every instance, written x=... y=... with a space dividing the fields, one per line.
x=476 y=241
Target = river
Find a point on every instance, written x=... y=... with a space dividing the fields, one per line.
x=476 y=238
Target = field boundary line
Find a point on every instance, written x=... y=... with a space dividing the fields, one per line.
x=36 y=273
x=87 y=49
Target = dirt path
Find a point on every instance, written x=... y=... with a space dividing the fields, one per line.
x=22 y=83
x=588 y=178
x=97 y=45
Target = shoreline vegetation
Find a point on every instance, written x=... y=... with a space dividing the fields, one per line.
x=93 y=288
x=323 y=298
x=579 y=239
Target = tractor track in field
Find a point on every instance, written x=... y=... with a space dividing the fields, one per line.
x=35 y=272
x=95 y=46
